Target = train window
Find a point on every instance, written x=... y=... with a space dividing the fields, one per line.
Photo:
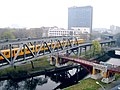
x=38 y=47
x=22 y=50
x=16 y=51
x=31 y=48
x=3 y=53
x=6 y=53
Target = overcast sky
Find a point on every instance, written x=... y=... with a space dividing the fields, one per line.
x=37 y=13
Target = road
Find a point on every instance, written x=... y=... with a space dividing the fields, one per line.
x=112 y=86
x=116 y=87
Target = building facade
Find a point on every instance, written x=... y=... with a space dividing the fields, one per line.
x=55 y=31
x=115 y=29
x=78 y=33
x=80 y=17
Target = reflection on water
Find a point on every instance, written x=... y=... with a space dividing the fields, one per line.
x=66 y=79
x=53 y=81
x=114 y=61
x=73 y=71
x=49 y=85
x=27 y=84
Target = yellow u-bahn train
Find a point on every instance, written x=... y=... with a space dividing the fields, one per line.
x=6 y=52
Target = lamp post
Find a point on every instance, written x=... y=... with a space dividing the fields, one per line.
x=100 y=85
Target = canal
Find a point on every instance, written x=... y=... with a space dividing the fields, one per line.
x=51 y=81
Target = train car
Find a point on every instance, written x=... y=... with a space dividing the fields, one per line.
x=27 y=52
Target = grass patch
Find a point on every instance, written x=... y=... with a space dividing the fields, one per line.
x=86 y=84
x=39 y=64
x=117 y=76
x=89 y=84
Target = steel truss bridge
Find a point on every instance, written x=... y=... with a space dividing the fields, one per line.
x=14 y=52
x=98 y=70
x=88 y=64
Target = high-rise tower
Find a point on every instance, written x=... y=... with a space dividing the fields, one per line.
x=80 y=17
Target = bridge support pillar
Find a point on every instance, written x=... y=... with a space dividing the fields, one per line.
x=108 y=77
x=54 y=60
x=57 y=61
x=51 y=61
x=96 y=74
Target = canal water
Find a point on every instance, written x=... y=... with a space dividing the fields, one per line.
x=56 y=81
x=35 y=83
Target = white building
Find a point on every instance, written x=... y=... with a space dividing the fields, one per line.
x=55 y=31
x=101 y=30
x=82 y=30
x=115 y=29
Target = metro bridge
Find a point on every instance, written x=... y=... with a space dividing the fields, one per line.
x=15 y=52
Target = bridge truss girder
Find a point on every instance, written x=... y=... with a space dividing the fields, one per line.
x=32 y=49
x=38 y=48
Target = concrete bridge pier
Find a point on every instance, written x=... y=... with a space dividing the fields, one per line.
x=54 y=60
x=51 y=62
x=105 y=77
x=96 y=74
x=108 y=77
x=57 y=61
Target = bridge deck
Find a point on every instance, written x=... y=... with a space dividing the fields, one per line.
x=114 y=69
x=77 y=60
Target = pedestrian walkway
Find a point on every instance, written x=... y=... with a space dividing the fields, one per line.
x=111 y=85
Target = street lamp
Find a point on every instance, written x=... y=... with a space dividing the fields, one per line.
x=100 y=85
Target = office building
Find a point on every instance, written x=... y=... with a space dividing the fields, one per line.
x=55 y=31
x=80 y=17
